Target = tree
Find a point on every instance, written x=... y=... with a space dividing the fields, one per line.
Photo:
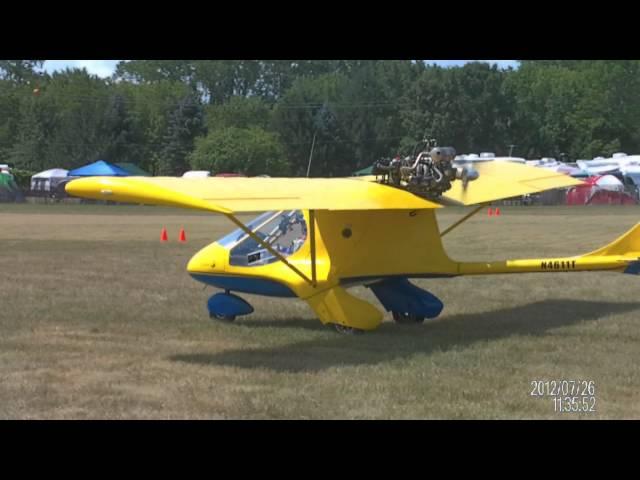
x=29 y=149
x=465 y=107
x=238 y=112
x=149 y=108
x=20 y=71
x=214 y=80
x=582 y=108
x=185 y=123
x=305 y=111
x=10 y=96
x=150 y=71
x=352 y=111
x=117 y=123
x=76 y=102
x=252 y=151
x=371 y=106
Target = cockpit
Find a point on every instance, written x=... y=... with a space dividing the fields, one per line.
x=285 y=231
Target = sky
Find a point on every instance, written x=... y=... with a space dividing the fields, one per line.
x=455 y=63
x=105 y=68
x=101 y=68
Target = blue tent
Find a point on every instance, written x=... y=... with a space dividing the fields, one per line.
x=99 y=168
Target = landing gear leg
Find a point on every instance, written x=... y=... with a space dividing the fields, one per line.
x=346 y=313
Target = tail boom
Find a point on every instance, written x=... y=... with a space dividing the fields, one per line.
x=621 y=255
x=546 y=265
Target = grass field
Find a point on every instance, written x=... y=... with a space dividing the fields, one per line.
x=98 y=319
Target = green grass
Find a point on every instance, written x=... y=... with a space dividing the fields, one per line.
x=98 y=319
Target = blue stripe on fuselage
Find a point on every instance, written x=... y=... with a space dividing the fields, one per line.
x=258 y=286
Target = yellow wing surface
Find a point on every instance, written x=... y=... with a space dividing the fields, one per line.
x=239 y=194
x=499 y=180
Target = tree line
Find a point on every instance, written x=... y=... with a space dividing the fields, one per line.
x=265 y=117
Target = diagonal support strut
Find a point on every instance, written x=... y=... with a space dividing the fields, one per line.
x=463 y=219
x=312 y=233
x=270 y=249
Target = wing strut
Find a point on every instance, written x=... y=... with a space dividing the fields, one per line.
x=312 y=233
x=270 y=249
x=463 y=219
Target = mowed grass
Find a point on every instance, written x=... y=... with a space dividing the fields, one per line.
x=98 y=319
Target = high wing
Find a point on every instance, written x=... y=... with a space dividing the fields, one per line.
x=241 y=194
x=500 y=180
x=497 y=180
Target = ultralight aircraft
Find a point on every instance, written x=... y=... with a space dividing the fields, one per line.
x=320 y=236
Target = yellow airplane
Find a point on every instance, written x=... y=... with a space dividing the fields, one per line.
x=320 y=236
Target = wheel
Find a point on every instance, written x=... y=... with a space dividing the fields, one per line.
x=223 y=318
x=404 y=317
x=343 y=329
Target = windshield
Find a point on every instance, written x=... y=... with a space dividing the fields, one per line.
x=284 y=231
x=230 y=239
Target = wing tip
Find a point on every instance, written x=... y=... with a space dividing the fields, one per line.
x=136 y=190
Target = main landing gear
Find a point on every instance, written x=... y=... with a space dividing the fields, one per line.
x=407 y=318
x=408 y=304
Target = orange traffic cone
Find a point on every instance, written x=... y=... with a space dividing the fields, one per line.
x=182 y=237
x=497 y=211
x=163 y=235
x=490 y=212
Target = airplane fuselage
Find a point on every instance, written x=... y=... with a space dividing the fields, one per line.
x=352 y=248
x=380 y=249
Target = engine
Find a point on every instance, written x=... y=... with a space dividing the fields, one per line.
x=429 y=174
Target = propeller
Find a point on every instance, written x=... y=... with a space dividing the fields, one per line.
x=466 y=174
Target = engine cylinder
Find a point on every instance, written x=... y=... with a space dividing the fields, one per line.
x=442 y=154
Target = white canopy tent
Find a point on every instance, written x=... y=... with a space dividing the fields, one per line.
x=609 y=182
x=196 y=174
x=46 y=181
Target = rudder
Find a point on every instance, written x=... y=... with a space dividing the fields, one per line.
x=627 y=245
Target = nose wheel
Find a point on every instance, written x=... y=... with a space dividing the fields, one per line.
x=407 y=318
x=225 y=307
